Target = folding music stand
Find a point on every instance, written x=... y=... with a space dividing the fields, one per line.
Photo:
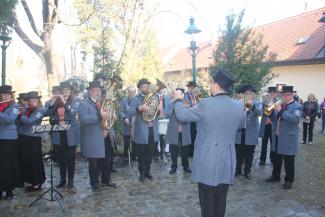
x=49 y=127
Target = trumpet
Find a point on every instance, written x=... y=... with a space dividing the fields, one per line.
x=246 y=98
x=268 y=110
x=8 y=100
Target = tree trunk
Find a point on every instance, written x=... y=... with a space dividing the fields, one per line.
x=49 y=60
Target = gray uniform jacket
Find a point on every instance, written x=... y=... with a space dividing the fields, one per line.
x=26 y=124
x=252 y=125
x=173 y=125
x=70 y=116
x=219 y=118
x=91 y=134
x=141 y=129
x=123 y=114
x=286 y=123
x=8 y=128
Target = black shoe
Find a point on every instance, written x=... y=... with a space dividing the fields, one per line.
x=61 y=184
x=95 y=188
x=172 y=171
x=30 y=189
x=141 y=178
x=70 y=183
x=149 y=176
x=247 y=176
x=113 y=170
x=9 y=195
x=287 y=185
x=272 y=179
x=109 y=184
x=303 y=142
x=238 y=173
x=187 y=170
x=262 y=163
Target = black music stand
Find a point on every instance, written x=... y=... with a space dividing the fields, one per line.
x=50 y=127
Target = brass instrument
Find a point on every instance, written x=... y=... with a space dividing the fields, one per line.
x=152 y=102
x=245 y=98
x=8 y=100
x=111 y=87
x=268 y=110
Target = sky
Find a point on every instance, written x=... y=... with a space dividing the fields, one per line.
x=172 y=17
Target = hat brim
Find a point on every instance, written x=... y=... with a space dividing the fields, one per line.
x=139 y=85
x=36 y=97
x=6 y=92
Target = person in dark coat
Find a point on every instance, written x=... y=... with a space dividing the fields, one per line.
x=309 y=113
x=285 y=129
x=9 y=163
x=92 y=142
x=219 y=117
x=178 y=136
x=145 y=133
x=266 y=125
x=122 y=113
x=64 y=110
x=31 y=147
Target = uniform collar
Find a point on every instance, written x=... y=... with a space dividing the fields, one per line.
x=221 y=94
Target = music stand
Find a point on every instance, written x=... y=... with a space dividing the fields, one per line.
x=49 y=127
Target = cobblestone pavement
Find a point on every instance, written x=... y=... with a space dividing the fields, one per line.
x=176 y=196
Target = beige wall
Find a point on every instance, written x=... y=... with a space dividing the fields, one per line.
x=305 y=79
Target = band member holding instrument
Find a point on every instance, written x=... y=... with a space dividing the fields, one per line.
x=214 y=160
x=126 y=132
x=65 y=110
x=9 y=164
x=285 y=127
x=192 y=99
x=178 y=136
x=92 y=137
x=266 y=126
x=145 y=134
x=31 y=147
x=247 y=139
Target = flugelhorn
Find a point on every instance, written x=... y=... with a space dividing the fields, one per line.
x=268 y=110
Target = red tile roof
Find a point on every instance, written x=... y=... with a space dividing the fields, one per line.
x=281 y=37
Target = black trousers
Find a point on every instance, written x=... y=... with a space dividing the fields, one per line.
x=310 y=128
x=174 y=148
x=162 y=144
x=289 y=165
x=101 y=165
x=213 y=199
x=66 y=156
x=193 y=137
x=244 y=153
x=145 y=153
x=126 y=141
x=265 y=140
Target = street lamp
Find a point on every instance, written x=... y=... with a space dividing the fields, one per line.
x=193 y=49
x=4 y=37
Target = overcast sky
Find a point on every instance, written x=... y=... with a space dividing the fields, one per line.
x=209 y=15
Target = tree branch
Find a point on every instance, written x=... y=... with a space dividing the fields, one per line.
x=35 y=47
x=30 y=17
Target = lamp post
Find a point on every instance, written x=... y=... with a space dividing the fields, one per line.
x=322 y=20
x=193 y=48
x=5 y=43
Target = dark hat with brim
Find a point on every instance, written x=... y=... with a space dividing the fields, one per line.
x=100 y=76
x=181 y=89
x=224 y=79
x=246 y=87
x=56 y=89
x=287 y=89
x=33 y=95
x=191 y=84
x=7 y=89
x=93 y=84
x=143 y=81
x=66 y=84
x=22 y=96
x=271 y=89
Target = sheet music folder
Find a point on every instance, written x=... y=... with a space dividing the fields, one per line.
x=46 y=126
